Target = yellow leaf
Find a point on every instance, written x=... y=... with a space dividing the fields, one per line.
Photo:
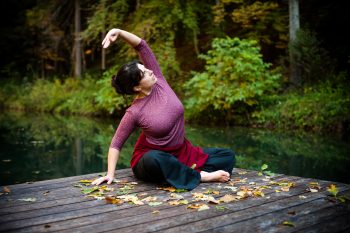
x=287 y=223
x=332 y=189
x=156 y=212
x=86 y=181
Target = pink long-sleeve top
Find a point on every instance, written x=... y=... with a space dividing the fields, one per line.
x=160 y=115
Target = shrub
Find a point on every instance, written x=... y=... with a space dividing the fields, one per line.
x=235 y=77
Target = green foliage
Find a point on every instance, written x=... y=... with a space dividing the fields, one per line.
x=325 y=106
x=235 y=77
x=106 y=97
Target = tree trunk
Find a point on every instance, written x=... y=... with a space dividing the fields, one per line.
x=77 y=45
x=294 y=25
x=103 y=51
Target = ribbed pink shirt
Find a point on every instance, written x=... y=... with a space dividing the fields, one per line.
x=160 y=114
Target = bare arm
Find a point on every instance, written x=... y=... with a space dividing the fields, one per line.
x=113 y=156
x=114 y=33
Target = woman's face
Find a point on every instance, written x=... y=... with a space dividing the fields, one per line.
x=148 y=78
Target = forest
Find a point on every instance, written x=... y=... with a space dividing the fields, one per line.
x=231 y=62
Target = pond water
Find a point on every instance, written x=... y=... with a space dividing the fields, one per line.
x=40 y=147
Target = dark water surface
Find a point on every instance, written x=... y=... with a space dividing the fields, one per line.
x=40 y=147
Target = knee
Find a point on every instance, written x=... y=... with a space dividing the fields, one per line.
x=150 y=159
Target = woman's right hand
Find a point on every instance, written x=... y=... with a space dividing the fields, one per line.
x=111 y=36
x=100 y=180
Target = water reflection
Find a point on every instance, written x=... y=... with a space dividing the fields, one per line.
x=39 y=147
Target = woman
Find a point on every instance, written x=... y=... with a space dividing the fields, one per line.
x=162 y=153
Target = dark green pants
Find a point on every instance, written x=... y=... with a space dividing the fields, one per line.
x=161 y=167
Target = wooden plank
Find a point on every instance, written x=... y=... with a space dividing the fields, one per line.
x=263 y=208
x=312 y=213
x=59 y=183
x=56 y=191
x=140 y=214
x=78 y=213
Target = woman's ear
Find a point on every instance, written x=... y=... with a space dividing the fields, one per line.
x=137 y=88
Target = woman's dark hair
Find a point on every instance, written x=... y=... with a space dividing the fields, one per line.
x=128 y=76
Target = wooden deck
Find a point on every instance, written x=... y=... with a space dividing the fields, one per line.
x=59 y=206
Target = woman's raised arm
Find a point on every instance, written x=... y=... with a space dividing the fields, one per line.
x=114 y=33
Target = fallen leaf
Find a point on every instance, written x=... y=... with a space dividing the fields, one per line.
x=211 y=191
x=154 y=203
x=29 y=199
x=227 y=198
x=198 y=206
x=258 y=193
x=291 y=212
x=242 y=172
x=220 y=207
x=172 y=189
x=332 y=189
x=156 y=212
x=287 y=223
x=285 y=189
x=176 y=196
x=197 y=195
x=232 y=188
x=203 y=207
x=112 y=200
x=149 y=199
x=89 y=190
x=212 y=200
x=46 y=192
x=86 y=181
x=6 y=190
x=178 y=202
x=302 y=197
x=312 y=190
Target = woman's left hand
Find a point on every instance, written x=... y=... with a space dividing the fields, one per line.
x=111 y=36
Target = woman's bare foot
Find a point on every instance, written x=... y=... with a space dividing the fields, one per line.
x=219 y=176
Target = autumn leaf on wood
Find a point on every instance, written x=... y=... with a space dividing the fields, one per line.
x=198 y=206
x=178 y=202
x=314 y=187
x=287 y=223
x=333 y=190
x=220 y=207
x=89 y=190
x=155 y=203
x=227 y=198
x=172 y=189
x=211 y=191
x=6 y=190
x=112 y=200
x=149 y=199
x=86 y=181
x=176 y=196
x=156 y=212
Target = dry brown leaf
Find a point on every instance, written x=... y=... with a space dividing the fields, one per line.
x=198 y=206
x=227 y=198
x=6 y=189
x=112 y=200
x=285 y=189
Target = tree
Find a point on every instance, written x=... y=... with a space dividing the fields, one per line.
x=294 y=25
x=77 y=39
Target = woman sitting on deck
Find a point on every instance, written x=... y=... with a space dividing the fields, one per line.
x=162 y=153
